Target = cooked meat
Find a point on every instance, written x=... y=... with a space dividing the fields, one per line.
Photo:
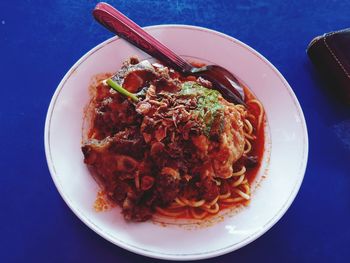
x=146 y=182
x=217 y=126
x=112 y=114
x=127 y=142
x=120 y=191
x=208 y=189
x=167 y=185
x=133 y=209
x=133 y=77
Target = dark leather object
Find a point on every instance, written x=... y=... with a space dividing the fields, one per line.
x=330 y=54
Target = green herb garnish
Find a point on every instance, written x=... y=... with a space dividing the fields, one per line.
x=114 y=85
x=208 y=106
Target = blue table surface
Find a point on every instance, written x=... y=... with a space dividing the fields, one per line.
x=40 y=41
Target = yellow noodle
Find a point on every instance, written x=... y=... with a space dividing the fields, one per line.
x=249 y=126
x=169 y=213
x=212 y=209
x=175 y=205
x=261 y=111
x=179 y=201
x=191 y=203
x=251 y=137
x=198 y=216
x=240 y=172
x=246 y=188
x=239 y=181
x=243 y=195
x=233 y=200
x=214 y=201
x=225 y=196
x=196 y=203
x=249 y=146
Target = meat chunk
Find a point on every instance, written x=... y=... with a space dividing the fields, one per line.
x=217 y=126
x=208 y=189
x=164 y=82
x=115 y=155
x=168 y=185
x=113 y=113
x=120 y=191
x=231 y=144
x=129 y=142
x=146 y=182
x=93 y=148
x=134 y=207
x=133 y=77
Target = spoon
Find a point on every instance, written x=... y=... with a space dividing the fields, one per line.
x=223 y=80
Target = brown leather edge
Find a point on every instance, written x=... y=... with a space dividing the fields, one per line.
x=327 y=61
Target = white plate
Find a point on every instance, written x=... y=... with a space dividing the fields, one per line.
x=284 y=161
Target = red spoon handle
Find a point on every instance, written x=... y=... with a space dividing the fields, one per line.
x=119 y=24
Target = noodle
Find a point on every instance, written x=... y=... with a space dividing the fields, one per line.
x=239 y=181
x=248 y=148
x=211 y=210
x=240 y=172
x=225 y=196
x=261 y=111
x=199 y=215
x=169 y=212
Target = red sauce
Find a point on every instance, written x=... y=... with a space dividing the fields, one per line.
x=257 y=150
x=259 y=142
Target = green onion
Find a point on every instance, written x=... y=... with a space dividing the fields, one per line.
x=209 y=107
x=114 y=85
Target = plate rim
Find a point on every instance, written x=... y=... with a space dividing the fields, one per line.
x=170 y=256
